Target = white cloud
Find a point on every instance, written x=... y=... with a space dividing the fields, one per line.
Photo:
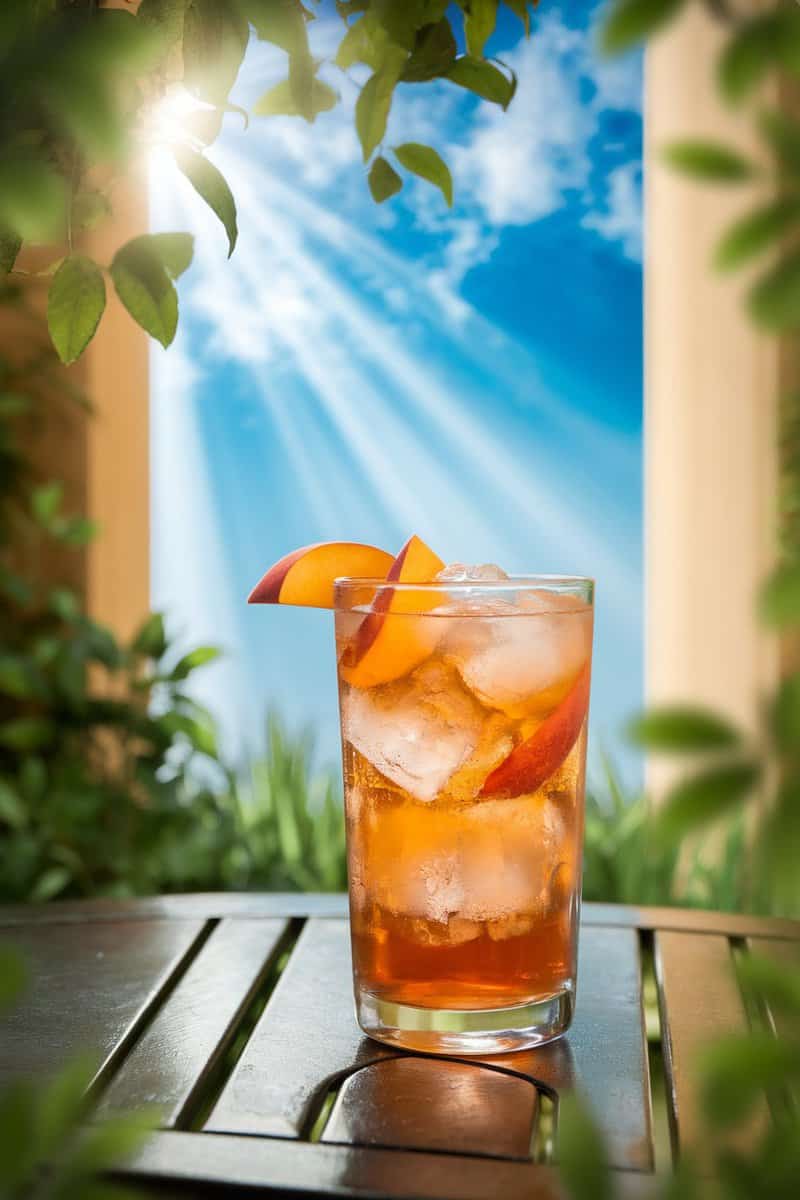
x=517 y=165
x=622 y=220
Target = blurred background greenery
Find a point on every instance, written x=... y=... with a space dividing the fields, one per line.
x=111 y=780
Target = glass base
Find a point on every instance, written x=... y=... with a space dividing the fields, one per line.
x=458 y=1032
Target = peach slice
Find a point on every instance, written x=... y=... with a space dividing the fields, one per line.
x=306 y=576
x=386 y=644
x=533 y=761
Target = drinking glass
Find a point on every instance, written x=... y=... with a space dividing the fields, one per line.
x=463 y=711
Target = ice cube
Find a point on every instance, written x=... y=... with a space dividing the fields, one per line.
x=462 y=573
x=417 y=731
x=535 y=647
x=510 y=849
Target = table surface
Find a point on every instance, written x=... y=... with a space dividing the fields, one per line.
x=234 y=1015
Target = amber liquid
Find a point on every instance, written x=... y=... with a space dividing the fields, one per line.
x=457 y=902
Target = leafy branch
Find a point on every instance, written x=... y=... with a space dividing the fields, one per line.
x=736 y=770
x=81 y=90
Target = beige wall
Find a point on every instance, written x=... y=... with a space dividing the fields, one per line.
x=118 y=464
x=102 y=458
x=710 y=406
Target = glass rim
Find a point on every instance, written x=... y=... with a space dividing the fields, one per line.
x=512 y=583
x=580 y=586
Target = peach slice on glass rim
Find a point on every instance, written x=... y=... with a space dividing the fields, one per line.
x=306 y=576
x=389 y=642
x=533 y=761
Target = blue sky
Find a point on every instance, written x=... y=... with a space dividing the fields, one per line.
x=360 y=373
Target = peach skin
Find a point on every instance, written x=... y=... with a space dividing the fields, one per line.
x=533 y=761
x=305 y=577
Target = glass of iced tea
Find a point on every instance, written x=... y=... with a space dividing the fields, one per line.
x=464 y=707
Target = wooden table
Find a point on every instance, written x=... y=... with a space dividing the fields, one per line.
x=234 y=1014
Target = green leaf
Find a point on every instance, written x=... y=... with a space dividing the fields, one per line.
x=480 y=18
x=777 y=984
x=14 y=813
x=144 y=286
x=46 y=501
x=775 y=300
x=63 y=1104
x=780 y=598
x=706 y=797
x=279 y=101
x=786 y=715
x=195 y=658
x=434 y=52
x=402 y=20
x=215 y=38
x=583 y=1161
x=279 y=21
x=736 y=1071
x=89 y=208
x=75 y=304
x=32 y=199
x=26 y=733
x=631 y=21
x=16 y=677
x=13 y=976
x=301 y=83
x=520 y=8
x=756 y=46
x=383 y=180
x=709 y=160
x=165 y=17
x=176 y=250
x=49 y=884
x=79 y=531
x=200 y=734
x=374 y=102
x=366 y=41
x=64 y=603
x=33 y=779
x=682 y=730
x=428 y=164
x=484 y=79
x=211 y=185
x=150 y=640
x=10 y=246
x=757 y=231
x=782 y=135
x=108 y=1144
x=13 y=403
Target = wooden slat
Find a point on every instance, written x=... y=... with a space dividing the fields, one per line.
x=307 y=1035
x=190 y=906
x=421 y=1104
x=699 y=1000
x=88 y=991
x=173 y=1058
x=296 y=904
x=605 y=1052
x=299 y=1168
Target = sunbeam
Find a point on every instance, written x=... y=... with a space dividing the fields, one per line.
x=339 y=394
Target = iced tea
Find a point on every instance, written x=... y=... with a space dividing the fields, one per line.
x=464 y=745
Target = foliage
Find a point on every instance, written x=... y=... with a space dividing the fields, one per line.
x=43 y=1135
x=737 y=773
x=733 y=1075
x=97 y=737
x=626 y=859
x=734 y=767
x=80 y=87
